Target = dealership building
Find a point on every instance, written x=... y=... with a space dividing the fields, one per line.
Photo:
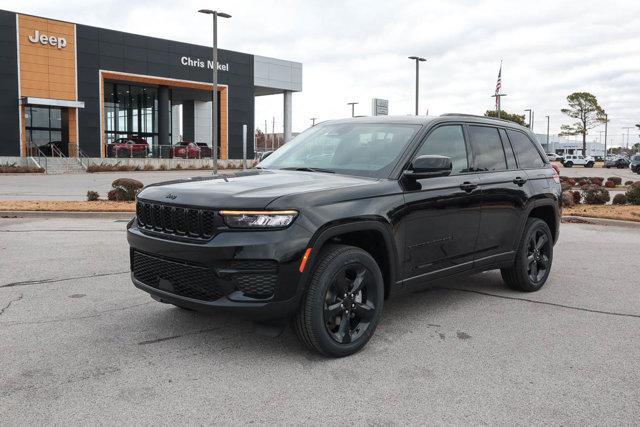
x=81 y=88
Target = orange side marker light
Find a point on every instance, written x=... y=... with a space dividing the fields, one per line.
x=305 y=257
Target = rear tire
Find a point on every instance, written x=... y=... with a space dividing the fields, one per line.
x=533 y=260
x=568 y=164
x=343 y=303
x=589 y=165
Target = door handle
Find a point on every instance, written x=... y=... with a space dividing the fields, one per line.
x=519 y=181
x=468 y=186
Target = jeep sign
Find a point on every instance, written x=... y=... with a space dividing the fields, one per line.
x=59 y=42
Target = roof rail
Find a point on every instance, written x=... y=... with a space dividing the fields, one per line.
x=478 y=116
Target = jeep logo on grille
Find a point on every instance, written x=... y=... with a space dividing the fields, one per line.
x=170 y=196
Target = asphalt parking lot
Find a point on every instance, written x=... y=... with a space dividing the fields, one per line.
x=575 y=171
x=80 y=344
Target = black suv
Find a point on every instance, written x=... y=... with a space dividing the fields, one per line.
x=326 y=227
x=634 y=163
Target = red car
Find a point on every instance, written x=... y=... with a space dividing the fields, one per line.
x=132 y=146
x=191 y=150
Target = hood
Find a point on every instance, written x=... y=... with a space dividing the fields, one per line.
x=248 y=190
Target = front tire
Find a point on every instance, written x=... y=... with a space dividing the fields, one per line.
x=589 y=165
x=568 y=164
x=343 y=303
x=532 y=264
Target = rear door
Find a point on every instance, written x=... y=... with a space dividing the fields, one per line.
x=504 y=193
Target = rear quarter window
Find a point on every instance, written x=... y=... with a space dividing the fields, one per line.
x=526 y=153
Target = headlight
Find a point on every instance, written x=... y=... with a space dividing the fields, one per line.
x=258 y=219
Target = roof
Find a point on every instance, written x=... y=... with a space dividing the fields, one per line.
x=422 y=120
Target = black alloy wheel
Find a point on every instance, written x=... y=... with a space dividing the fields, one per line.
x=532 y=264
x=343 y=302
x=349 y=304
x=538 y=255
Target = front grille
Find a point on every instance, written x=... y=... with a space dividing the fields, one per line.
x=176 y=220
x=254 y=278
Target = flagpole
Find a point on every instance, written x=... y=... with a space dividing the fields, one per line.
x=497 y=94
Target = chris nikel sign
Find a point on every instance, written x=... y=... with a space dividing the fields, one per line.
x=43 y=39
x=199 y=63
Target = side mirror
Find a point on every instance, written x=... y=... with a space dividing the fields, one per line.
x=429 y=166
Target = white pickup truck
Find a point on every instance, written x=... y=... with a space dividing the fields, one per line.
x=571 y=160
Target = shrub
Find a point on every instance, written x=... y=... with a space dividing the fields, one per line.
x=571 y=182
x=162 y=167
x=565 y=186
x=619 y=199
x=148 y=167
x=124 y=189
x=633 y=193
x=567 y=199
x=596 y=180
x=628 y=183
x=92 y=196
x=583 y=182
x=615 y=179
x=594 y=195
x=577 y=197
x=178 y=167
x=13 y=168
x=610 y=184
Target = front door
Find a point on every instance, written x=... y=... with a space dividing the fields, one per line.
x=441 y=214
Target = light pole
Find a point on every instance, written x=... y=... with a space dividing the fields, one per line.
x=547 y=132
x=214 y=97
x=353 y=108
x=627 y=128
x=313 y=121
x=418 y=61
x=606 y=122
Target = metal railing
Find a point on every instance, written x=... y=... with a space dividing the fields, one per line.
x=83 y=159
x=33 y=152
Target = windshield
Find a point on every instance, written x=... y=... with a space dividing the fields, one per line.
x=362 y=149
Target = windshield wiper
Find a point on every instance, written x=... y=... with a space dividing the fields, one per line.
x=307 y=169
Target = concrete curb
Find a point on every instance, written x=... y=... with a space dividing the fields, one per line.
x=605 y=221
x=63 y=214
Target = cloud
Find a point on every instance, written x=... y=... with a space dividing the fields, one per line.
x=357 y=50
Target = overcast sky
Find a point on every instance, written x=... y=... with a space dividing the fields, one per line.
x=357 y=50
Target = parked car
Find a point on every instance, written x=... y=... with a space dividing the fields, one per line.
x=616 y=162
x=553 y=157
x=571 y=160
x=634 y=163
x=132 y=146
x=191 y=150
x=321 y=239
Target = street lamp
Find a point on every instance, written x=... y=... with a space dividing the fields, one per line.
x=214 y=100
x=627 y=128
x=353 y=108
x=418 y=61
x=313 y=121
x=547 y=132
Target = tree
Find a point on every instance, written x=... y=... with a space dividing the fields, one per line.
x=516 y=118
x=584 y=107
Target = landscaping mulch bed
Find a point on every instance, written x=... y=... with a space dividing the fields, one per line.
x=66 y=206
x=624 y=213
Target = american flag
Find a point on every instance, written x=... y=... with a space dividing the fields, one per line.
x=498 y=86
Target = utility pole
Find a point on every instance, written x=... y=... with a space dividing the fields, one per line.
x=418 y=61
x=606 y=122
x=353 y=108
x=547 y=132
x=627 y=128
x=266 y=135
x=313 y=121
x=273 y=131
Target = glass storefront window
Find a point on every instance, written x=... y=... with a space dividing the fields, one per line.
x=131 y=111
x=43 y=125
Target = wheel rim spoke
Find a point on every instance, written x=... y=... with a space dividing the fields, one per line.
x=344 y=333
x=358 y=282
x=545 y=261
x=542 y=240
x=364 y=311
x=333 y=310
x=534 y=270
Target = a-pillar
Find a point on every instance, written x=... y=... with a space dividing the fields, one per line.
x=287 y=115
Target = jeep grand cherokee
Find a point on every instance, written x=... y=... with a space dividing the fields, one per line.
x=323 y=230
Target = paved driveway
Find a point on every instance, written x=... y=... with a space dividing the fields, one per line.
x=79 y=344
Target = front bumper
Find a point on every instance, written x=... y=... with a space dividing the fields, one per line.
x=254 y=273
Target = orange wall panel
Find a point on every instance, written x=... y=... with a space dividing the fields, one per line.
x=46 y=70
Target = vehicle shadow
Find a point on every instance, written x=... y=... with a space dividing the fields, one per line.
x=224 y=332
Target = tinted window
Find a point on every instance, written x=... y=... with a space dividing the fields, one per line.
x=447 y=141
x=488 y=154
x=508 y=151
x=526 y=153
